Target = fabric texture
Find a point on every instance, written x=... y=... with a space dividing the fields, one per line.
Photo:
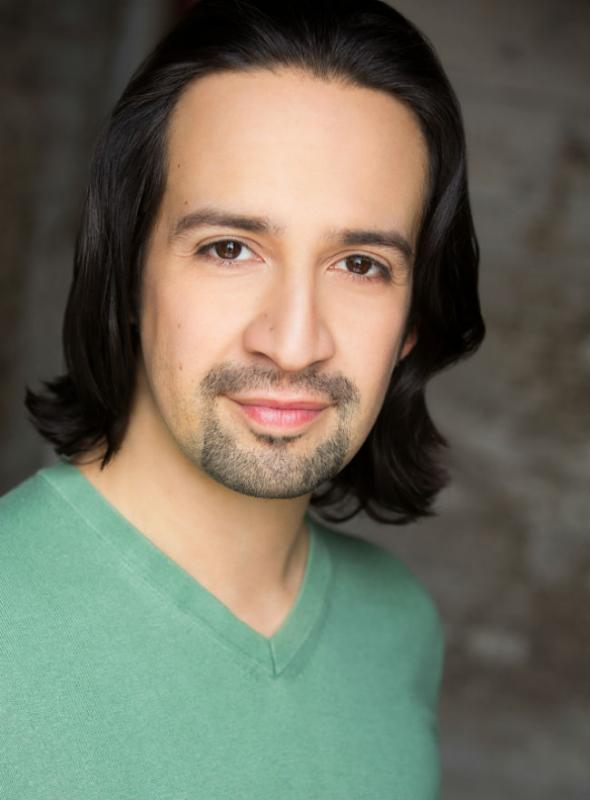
x=123 y=678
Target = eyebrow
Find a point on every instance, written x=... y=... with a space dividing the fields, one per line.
x=263 y=225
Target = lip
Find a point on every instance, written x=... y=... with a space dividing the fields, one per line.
x=292 y=403
x=280 y=413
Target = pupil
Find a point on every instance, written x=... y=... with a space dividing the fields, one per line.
x=357 y=261
x=229 y=247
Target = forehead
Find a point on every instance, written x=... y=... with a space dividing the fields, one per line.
x=262 y=140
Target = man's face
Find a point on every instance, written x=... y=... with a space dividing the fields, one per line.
x=294 y=311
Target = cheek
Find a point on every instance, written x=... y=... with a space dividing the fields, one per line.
x=370 y=351
x=375 y=377
x=186 y=328
x=371 y=342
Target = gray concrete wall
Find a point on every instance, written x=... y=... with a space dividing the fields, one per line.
x=508 y=557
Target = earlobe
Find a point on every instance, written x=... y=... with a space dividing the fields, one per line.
x=409 y=343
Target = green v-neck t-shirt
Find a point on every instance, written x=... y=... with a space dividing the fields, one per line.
x=124 y=678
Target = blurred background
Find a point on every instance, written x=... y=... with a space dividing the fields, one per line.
x=507 y=558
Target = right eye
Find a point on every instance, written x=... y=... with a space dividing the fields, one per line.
x=226 y=249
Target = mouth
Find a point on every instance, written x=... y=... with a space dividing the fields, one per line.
x=283 y=415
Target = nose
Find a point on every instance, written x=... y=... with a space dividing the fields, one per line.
x=288 y=324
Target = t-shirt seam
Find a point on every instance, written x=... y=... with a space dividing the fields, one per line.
x=313 y=632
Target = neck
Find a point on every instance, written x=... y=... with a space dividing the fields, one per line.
x=249 y=552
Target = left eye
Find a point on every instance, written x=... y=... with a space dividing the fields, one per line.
x=228 y=249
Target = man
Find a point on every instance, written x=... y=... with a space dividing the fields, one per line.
x=276 y=253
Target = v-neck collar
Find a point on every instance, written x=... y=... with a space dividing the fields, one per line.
x=271 y=654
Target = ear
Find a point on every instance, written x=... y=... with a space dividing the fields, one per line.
x=409 y=343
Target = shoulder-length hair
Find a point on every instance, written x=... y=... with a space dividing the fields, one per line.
x=398 y=471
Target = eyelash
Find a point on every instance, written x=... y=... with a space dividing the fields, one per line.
x=384 y=271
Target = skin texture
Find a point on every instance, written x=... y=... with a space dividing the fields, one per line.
x=292 y=313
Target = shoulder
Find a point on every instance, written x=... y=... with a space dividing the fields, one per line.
x=379 y=605
x=371 y=565
x=380 y=585
x=30 y=515
x=24 y=505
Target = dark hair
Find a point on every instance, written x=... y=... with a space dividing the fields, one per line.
x=397 y=472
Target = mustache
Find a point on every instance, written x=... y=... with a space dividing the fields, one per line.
x=233 y=378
